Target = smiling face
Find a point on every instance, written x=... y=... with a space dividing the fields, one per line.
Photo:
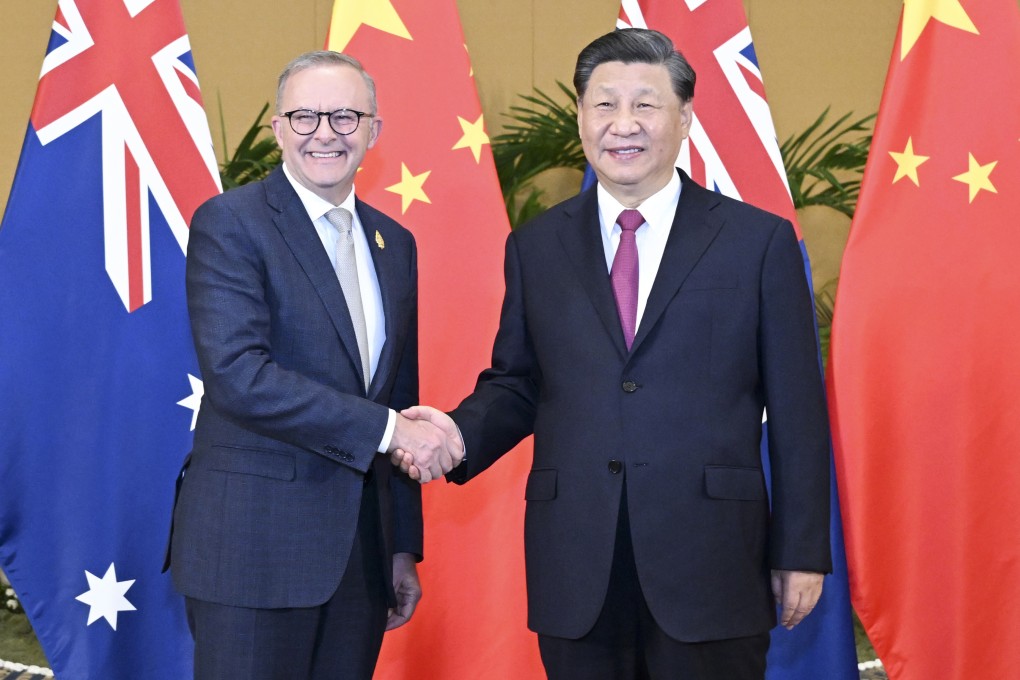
x=324 y=161
x=632 y=124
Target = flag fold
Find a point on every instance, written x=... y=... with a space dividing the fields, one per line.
x=97 y=369
x=432 y=171
x=924 y=388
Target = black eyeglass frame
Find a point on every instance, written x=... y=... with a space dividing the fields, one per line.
x=328 y=115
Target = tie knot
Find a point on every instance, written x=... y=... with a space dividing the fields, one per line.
x=342 y=219
x=630 y=220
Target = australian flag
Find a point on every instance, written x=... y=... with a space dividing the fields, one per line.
x=99 y=381
x=733 y=149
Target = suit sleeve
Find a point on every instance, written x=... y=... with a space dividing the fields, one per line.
x=501 y=410
x=798 y=433
x=231 y=317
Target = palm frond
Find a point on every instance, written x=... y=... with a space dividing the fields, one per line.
x=255 y=156
x=824 y=164
x=543 y=136
x=825 y=303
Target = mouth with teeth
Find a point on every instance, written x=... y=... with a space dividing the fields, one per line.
x=324 y=154
x=626 y=151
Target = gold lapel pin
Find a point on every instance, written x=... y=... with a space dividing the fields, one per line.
x=379 y=240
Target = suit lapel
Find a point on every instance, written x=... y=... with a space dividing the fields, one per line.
x=390 y=280
x=299 y=233
x=583 y=243
x=694 y=228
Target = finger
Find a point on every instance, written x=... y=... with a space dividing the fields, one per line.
x=416 y=412
x=797 y=616
x=446 y=462
x=794 y=610
x=395 y=620
x=791 y=600
x=398 y=457
x=777 y=587
x=405 y=462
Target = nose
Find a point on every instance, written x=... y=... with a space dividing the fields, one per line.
x=325 y=131
x=624 y=123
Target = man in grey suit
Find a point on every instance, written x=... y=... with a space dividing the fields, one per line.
x=295 y=540
x=647 y=324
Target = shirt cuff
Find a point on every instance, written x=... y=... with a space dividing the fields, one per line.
x=391 y=424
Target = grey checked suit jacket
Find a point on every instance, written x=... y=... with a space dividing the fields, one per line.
x=268 y=506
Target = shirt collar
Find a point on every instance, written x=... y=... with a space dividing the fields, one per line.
x=659 y=208
x=316 y=206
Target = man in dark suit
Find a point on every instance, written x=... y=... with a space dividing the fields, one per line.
x=647 y=325
x=295 y=540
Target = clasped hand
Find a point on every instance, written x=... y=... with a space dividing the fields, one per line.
x=426 y=443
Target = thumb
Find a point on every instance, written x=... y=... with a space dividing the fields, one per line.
x=416 y=412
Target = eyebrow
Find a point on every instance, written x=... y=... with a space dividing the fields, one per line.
x=606 y=89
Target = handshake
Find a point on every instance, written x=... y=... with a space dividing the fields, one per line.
x=426 y=443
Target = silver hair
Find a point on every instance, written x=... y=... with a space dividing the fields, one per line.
x=322 y=58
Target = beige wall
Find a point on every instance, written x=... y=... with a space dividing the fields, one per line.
x=813 y=55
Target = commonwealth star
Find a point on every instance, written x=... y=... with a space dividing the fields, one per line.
x=105 y=597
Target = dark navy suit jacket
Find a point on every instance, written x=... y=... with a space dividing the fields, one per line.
x=727 y=332
x=268 y=507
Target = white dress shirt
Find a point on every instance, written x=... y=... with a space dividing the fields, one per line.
x=659 y=209
x=371 y=295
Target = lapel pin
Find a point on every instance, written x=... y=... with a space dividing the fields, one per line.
x=379 y=240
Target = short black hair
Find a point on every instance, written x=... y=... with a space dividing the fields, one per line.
x=635 y=45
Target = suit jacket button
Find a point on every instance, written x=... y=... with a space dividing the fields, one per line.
x=332 y=450
x=615 y=467
x=629 y=386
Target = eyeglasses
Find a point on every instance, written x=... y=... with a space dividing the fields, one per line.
x=343 y=121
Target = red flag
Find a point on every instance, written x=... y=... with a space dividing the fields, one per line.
x=432 y=170
x=733 y=149
x=96 y=359
x=925 y=382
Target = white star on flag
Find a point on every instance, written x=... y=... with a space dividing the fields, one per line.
x=105 y=597
x=194 y=400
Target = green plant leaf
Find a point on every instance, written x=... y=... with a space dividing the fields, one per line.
x=542 y=136
x=824 y=164
x=255 y=156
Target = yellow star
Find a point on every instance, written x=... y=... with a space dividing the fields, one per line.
x=474 y=137
x=917 y=14
x=350 y=15
x=410 y=188
x=978 y=177
x=907 y=163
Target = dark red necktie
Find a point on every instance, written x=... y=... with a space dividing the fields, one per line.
x=624 y=274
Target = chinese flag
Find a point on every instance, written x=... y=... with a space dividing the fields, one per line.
x=432 y=170
x=925 y=377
